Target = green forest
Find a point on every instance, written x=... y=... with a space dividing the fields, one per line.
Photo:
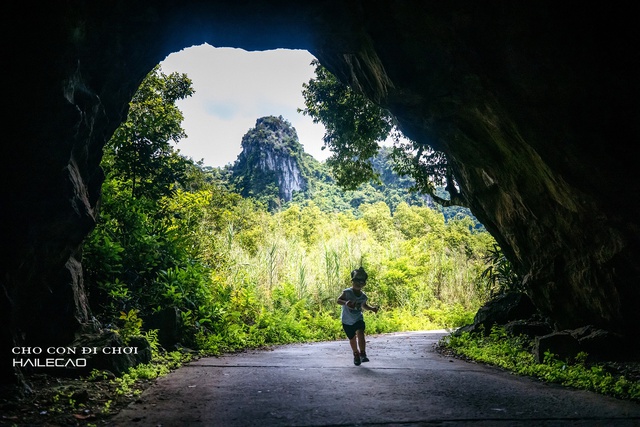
x=175 y=240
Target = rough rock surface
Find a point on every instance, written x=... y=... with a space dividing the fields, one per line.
x=506 y=308
x=270 y=153
x=536 y=104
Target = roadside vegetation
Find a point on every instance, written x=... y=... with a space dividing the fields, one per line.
x=616 y=379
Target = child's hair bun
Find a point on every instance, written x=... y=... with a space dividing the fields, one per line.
x=359 y=274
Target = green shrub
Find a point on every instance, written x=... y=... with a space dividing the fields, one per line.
x=513 y=354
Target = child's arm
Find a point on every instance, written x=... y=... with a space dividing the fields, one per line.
x=343 y=300
x=369 y=307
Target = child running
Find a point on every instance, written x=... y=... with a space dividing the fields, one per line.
x=353 y=301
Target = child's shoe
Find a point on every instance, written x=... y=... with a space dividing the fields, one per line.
x=363 y=357
x=356 y=359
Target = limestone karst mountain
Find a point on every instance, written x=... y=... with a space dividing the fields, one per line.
x=270 y=162
x=273 y=167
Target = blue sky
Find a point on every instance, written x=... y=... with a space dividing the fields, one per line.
x=233 y=88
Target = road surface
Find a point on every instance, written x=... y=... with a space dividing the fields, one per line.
x=406 y=383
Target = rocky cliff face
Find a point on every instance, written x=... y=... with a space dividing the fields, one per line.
x=270 y=160
x=535 y=103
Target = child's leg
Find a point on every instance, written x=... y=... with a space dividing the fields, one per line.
x=352 y=335
x=353 y=342
x=361 y=341
x=362 y=344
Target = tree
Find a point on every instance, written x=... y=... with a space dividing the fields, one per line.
x=140 y=150
x=409 y=222
x=378 y=219
x=140 y=232
x=354 y=128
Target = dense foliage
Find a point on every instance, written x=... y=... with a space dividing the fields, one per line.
x=355 y=127
x=239 y=275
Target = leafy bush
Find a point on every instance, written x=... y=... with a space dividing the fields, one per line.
x=500 y=277
x=513 y=354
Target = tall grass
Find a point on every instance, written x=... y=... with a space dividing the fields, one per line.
x=284 y=289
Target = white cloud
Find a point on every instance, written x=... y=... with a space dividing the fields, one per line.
x=233 y=88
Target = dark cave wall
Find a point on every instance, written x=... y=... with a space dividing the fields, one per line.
x=535 y=103
x=64 y=107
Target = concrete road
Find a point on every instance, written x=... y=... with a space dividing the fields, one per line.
x=406 y=383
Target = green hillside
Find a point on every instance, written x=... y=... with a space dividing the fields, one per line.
x=273 y=158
